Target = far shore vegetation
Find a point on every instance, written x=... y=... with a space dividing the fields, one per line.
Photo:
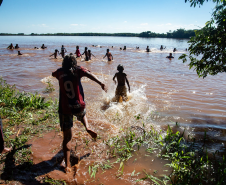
x=179 y=33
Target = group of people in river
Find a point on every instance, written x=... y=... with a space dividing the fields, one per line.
x=87 y=53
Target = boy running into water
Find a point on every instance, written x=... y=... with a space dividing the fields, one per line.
x=86 y=54
x=71 y=101
x=55 y=53
x=121 y=87
x=109 y=55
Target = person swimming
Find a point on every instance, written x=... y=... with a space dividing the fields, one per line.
x=17 y=47
x=19 y=53
x=43 y=46
x=175 y=49
x=170 y=56
x=147 y=49
x=10 y=46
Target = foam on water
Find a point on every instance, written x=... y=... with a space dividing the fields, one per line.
x=123 y=114
x=47 y=79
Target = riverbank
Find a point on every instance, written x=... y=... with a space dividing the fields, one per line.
x=141 y=155
x=179 y=33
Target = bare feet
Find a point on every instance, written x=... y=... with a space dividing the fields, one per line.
x=92 y=133
x=5 y=150
x=67 y=170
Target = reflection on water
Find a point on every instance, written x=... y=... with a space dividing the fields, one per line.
x=163 y=91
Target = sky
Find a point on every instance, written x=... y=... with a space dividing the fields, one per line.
x=101 y=16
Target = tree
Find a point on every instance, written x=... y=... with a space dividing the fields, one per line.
x=209 y=43
x=1 y=2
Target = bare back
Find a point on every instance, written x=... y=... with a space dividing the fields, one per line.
x=121 y=78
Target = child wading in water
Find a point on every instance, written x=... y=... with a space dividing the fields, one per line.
x=71 y=101
x=121 y=87
x=55 y=53
x=77 y=52
x=90 y=55
x=109 y=55
x=86 y=54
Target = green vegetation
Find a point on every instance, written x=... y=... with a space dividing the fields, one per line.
x=49 y=88
x=26 y=115
x=188 y=163
x=23 y=112
x=208 y=44
x=179 y=33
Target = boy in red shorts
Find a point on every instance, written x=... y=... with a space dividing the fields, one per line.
x=71 y=101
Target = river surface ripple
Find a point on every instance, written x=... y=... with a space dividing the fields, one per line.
x=163 y=91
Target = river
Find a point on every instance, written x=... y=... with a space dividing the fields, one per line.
x=163 y=91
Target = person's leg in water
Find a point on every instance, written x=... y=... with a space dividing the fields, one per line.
x=124 y=94
x=86 y=124
x=67 y=148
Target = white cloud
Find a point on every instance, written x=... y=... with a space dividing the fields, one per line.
x=144 y=24
x=125 y=21
x=168 y=24
x=74 y=24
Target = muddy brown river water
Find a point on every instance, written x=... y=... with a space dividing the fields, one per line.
x=163 y=92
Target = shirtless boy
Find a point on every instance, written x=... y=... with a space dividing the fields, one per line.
x=17 y=46
x=10 y=46
x=19 y=53
x=71 y=101
x=86 y=54
x=43 y=46
x=109 y=55
x=90 y=54
x=63 y=51
x=170 y=56
x=55 y=53
x=121 y=89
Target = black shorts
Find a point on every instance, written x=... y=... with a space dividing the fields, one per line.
x=66 y=120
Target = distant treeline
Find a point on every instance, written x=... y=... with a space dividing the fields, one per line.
x=179 y=33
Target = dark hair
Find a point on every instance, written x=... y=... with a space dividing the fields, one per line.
x=120 y=68
x=68 y=64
